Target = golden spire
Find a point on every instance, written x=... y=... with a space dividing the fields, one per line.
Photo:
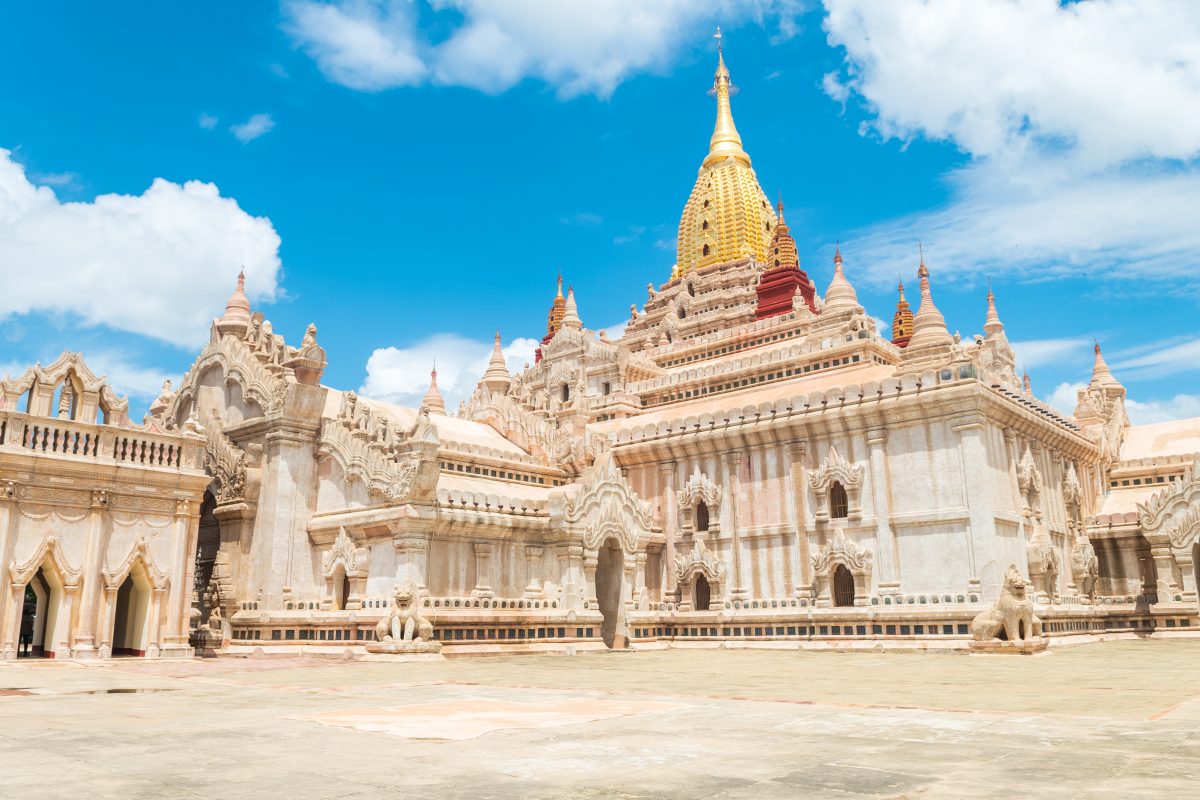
x=902 y=320
x=725 y=142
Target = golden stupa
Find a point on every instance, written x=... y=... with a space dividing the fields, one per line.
x=727 y=216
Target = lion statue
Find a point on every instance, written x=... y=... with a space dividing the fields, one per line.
x=404 y=623
x=1012 y=615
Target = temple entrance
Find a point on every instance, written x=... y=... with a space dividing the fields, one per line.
x=701 y=593
x=39 y=616
x=843 y=586
x=610 y=568
x=341 y=589
x=130 y=616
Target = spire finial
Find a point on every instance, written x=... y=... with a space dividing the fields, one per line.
x=725 y=142
x=992 y=325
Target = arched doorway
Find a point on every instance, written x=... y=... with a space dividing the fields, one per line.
x=610 y=569
x=701 y=593
x=341 y=588
x=843 y=586
x=39 y=614
x=131 y=615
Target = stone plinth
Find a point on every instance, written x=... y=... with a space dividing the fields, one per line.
x=403 y=648
x=207 y=643
x=1026 y=647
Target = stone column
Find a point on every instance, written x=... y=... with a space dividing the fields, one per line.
x=66 y=622
x=981 y=508
x=106 y=624
x=670 y=509
x=575 y=592
x=732 y=460
x=93 y=564
x=885 y=540
x=483 y=564
x=590 y=562
x=7 y=514
x=10 y=624
x=639 y=577
x=533 y=565
x=185 y=532
x=412 y=559
x=1187 y=571
x=628 y=578
x=154 y=630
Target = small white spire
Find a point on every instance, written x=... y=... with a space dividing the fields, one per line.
x=929 y=326
x=840 y=295
x=993 y=325
x=433 y=398
x=571 y=316
x=496 y=378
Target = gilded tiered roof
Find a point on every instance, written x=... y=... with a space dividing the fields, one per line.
x=902 y=320
x=727 y=216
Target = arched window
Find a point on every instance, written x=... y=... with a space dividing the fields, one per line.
x=839 y=504
x=692 y=289
x=566 y=392
x=704 y=226
x=843 y=586
x=682 y=312
x=705 y=249
x=701 y=516
x=701 y=594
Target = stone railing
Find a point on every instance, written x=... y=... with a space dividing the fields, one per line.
x=99 y=443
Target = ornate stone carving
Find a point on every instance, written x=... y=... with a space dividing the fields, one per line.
x=353 y=561
x=396 y=467
x=226 y=463
x=1012 y=615
x=403 y=629
x=115 y=576
x=850 y=476
x=604 y=505
x=49 y=551
x=1085 y=566
x=1174 y=513
x=841 y=551
x=699 y=561
x=1029 y=480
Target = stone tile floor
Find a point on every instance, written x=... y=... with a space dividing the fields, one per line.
x=1114 y=719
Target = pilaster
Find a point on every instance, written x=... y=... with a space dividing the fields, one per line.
x=670 y=527
x=732 y=460
x=981 y=507
x=886 y=562
x=801 y=560
x=483 y=569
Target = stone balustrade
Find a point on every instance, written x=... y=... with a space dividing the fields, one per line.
x=98 y=443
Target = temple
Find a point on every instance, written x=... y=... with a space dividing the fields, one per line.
x=750 y=463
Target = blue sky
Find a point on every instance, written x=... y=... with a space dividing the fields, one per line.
x=412 y=176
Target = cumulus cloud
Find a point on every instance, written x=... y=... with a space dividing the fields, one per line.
x=401 y=374
x=1181 y=406
x=361 y=44
x=1059 y=106
x=1042 y=352
x=207 y=121
x=579 y=48
x=251 y=129
x=160 y=264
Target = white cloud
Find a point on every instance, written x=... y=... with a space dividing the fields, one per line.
x=361 y=44
x=251 y=129
x=160 y=264
x=996 y=75
x=1181 y=406
x=401 y=374
x=208 y=121
x=1075 y=170
x=577 y=47
x=127 y=378
x=1063 y=398
x=1041 y=352
x=1158 y=359
x=61 y=179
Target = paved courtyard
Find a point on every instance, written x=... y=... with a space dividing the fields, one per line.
x=1115 y=719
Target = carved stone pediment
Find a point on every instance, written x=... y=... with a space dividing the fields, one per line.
x=840 y=550
x=699 y=488
x=604 y=506
x=835 y=468
x=354 y=560
x=1174 y=513
x=700 y=560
